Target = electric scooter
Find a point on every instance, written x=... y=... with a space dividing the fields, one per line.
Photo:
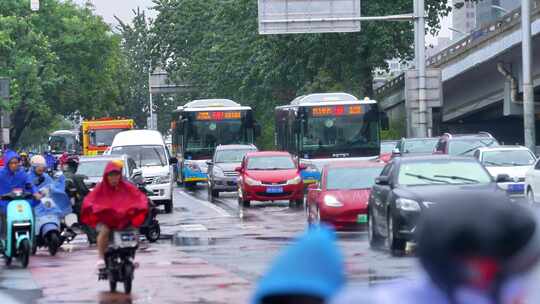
x=18 y=224
x=119 y=266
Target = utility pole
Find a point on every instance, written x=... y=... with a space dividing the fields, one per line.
x=529 y=119
x=151 y=126
x=420 y=52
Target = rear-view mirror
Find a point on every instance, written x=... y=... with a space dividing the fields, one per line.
x=209 y=162
x=382 y=180
x=173 y=160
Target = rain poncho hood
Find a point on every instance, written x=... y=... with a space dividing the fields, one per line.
x=117 y=208
x=312 y=266
x=11 y=180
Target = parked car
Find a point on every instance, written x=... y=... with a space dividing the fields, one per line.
x=532 y=183
x=513 y=161
x=464 y=144
x=222 y=176
x=92 y=167
x=408 y=186
x=150 y=153
x=341 y=197
x=387 y=147
x=415 y=146
x=270 y=176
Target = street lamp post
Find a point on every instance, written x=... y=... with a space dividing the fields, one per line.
x=151 y=102
x=528 y=91
x=420 y=47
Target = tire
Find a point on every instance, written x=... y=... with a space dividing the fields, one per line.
x=127 y=285
x=375 y=239
x=8 y=261
x=153 y=233
x=34 y=247
x=190 y=186
x=128 y=277
x=168 y=204
x=243 y=203
x=395 y=245
x=54 y=243
x=25 y=250
x=214 y=193
x=112 y=285
x=530 y=197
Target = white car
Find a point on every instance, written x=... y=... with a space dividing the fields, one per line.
x=514 y=161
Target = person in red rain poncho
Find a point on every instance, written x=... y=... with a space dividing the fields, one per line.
x=114 y=204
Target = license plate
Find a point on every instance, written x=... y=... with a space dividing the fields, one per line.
x=516 y=188
x=274 y=190
x=362 y=219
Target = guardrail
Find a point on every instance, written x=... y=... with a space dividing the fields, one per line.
x=468 y=42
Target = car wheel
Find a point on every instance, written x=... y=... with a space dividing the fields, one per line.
x=294 y=204
x=243 y=203
x=530 y=197
x=375 y=239
x=396 y=245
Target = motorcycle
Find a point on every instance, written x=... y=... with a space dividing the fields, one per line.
x=119 y=266
x=52 y=230
x=19 y=227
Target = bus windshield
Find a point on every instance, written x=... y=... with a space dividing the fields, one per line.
x=62 y=143
x=204 y=135
x=344 y=134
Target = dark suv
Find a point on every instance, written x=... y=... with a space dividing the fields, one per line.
x=464 y=144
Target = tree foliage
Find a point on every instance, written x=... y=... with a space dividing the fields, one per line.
x=215 y=45
x=62 y=60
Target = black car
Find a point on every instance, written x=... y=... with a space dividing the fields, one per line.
x=408 y=186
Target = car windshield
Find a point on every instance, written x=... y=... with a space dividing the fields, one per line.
x=351 y=178
x=231 y=156
x=92 y=168
x=144 y=156
x=442 y=172
x=508 y=158
x=466 y=147
x=102 y=137
x=387 y=147
x=420 y=145
x=62 y=143
x=270 y=163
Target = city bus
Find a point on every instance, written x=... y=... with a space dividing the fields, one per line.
x=326 y=127
x=198 y=127
x=64 y=141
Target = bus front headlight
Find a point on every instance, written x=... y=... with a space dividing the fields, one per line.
x=295 y=181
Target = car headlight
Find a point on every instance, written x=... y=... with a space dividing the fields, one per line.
x=311 y=168
x=295 y=181
x=407 y=204
x=252 y=182
x=218 y=172
x=331 y=201
x=162 y=179
x=193 y=166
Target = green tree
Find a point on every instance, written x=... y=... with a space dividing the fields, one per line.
x=215 y=45
x=63 y=60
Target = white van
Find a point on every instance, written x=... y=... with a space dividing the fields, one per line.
x=150 y=153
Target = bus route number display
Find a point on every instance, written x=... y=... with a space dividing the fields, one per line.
x=219 y=115
x=336 y=110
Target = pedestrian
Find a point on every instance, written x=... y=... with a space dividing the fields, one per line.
x=472 y=252
x=310 y=271
x=114 y=204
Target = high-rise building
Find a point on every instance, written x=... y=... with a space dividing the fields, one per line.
x=463 y=18
x=488 y=11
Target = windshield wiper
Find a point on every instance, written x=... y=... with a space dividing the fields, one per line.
x=470 y=150
x=493 y=163
x=419 y=176
x=458 y=178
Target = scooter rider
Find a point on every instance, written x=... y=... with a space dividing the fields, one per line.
x=12 y=177
x=37 y=173
x=114 y=204
x=483 y=252
x=25 y=161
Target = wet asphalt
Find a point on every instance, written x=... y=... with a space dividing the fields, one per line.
x=210 y=252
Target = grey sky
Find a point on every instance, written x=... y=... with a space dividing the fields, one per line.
x=123 y=9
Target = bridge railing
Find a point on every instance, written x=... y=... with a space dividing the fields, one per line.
x=468 y=42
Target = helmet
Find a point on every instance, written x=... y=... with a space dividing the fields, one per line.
x=23 y=154
x=480 y=244
x=72 y=159
x=38 y=161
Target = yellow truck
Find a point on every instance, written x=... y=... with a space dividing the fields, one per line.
x=98 y=134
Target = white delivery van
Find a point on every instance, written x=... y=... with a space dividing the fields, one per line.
x=151 y=155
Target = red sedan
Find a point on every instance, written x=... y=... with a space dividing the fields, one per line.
x=270 y=176
x=341 y=198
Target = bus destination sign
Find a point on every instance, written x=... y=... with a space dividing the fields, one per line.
x=219 y=115
x=336 y=110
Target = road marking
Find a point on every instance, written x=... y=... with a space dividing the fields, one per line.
x=193 y=227
x=217 y=209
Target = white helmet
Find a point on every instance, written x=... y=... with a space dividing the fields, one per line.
x=38 y=161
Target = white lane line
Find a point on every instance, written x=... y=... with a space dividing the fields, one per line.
x=217 y=209
x=193 y=227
